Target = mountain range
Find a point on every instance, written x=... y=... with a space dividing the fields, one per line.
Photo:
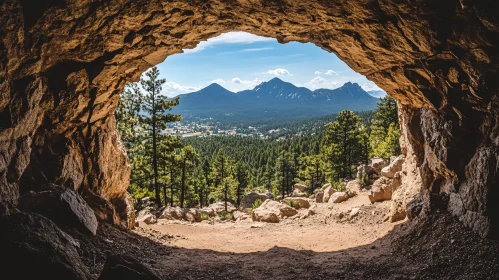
x=273 y=99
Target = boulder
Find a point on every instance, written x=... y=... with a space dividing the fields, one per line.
x=295 y=193
x=300 y=188
x=146 y=216
x=272 y=211
x=250 y=198
x=301 y=202
x=394 y=167
x=210 y=212
x=63 y=206
x=103 y=209
x=126 y=267
x=378 y=163
x=383 y=188
x=325 y=186
x=33 y=247
x=328 y=191
x=192 y=215
x=338 y=197
x=220 y=207
x=319 y=196
x=414 y=208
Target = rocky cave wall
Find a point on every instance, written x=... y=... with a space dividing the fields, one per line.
x=63 y=64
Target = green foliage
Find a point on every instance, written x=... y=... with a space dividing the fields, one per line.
x=256 y=204
x=339 y=186
x=385 y=130
x=226 y=216
x=342 y=145
x=204 y=216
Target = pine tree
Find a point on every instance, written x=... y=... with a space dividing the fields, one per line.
x=155 y=118
x=187 y=159
x=221 y=170
x=385 y=116
x=341 y=142
x=241 y=176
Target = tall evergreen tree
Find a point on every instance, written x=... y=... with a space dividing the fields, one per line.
x=187 y=159
x=154 y=118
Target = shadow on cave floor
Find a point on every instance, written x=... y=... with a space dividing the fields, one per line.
x=432 y=248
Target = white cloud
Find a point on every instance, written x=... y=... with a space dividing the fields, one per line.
x=279 y=72
x=173 y=89
x=331 y=73
x=316 y=80
x=370 y=86
x=319 y=82
x=238 y=37
x=246 y=82
x=317 y=72
x=218 y=81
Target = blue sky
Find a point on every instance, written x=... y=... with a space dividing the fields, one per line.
x=239 y=61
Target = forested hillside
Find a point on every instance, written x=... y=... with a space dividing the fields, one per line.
x=200 y=170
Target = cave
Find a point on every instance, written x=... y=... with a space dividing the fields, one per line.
x=63 y=65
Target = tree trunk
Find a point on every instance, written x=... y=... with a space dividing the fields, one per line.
x=171 y=187
x=155 y=152
x=182 y=185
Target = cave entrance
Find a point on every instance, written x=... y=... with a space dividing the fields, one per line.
x=64 y=78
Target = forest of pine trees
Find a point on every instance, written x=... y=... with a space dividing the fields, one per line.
x=198 y=171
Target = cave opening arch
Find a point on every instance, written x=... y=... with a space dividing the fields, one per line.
x=63 y=68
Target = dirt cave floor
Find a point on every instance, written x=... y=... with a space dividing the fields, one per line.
x=322 y=246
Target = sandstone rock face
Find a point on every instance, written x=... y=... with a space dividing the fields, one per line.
x=33 y=247
x=63 y=206
x=62 y=67
x=250 y=198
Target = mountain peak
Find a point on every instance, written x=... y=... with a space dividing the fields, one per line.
x=275 y=80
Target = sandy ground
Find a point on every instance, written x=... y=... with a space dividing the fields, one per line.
x=322 y=246
x=322 y=232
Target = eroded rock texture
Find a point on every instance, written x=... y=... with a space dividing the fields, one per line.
x=63 y=64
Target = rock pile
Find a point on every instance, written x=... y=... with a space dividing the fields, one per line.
x=272 y=212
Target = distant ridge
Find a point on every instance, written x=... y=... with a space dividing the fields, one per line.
x=274 y=98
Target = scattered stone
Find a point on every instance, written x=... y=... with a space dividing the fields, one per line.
x=63 y=206
x=126 y=267
x=383 y=189
x=207 y=211
x=354 y=212
x=338 y=197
